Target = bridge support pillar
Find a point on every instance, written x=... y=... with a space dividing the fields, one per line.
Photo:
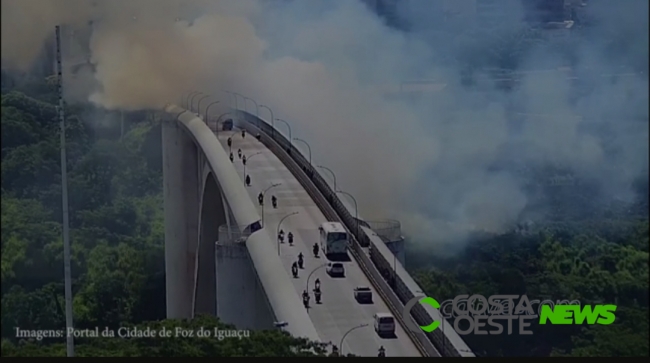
x=241 y=301
x=181 y=204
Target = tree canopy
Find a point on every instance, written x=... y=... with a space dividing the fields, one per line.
x=116 y=224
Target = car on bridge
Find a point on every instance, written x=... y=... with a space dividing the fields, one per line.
x=227 y=125
x=363 y=294
x=335 y=269
x=384 y=324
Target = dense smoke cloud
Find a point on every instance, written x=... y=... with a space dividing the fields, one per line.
x=452 y=159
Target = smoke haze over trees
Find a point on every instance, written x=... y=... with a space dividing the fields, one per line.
x=520 y=166
x=455 y=158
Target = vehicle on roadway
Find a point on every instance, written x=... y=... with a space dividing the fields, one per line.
x=333 y=240
x=227 y=125
x=335 y=269
x=363 y=294
x=384 y=324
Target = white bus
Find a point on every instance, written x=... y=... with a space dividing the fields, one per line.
x=333 y=239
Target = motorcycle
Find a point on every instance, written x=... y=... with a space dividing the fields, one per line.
x=290 y=238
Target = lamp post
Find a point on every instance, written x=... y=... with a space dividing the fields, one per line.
x=356 y=208
x=311 y=169
x=346 y=334
x=312 y=272
x=187 y=100
x=219 y=118
x=331 y=172
x=198 y=105
x=192 y=100
x=277 y=233
x=237 y=94
x=263 y=194
x=272 y=120
x=235 y=97
x=67 y=269
x=247 y=159
x=289 y=128
x=257 y=108
x=208 y=109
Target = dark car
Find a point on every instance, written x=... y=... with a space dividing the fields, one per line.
x=363 y=294
x=227 y=125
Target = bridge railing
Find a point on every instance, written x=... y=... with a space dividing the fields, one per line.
x=396 y=295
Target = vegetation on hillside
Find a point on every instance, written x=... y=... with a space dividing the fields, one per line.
x=594 y=253
x=116 y=235
x=118 y=265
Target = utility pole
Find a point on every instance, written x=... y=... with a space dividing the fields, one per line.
x=64 y=196
x=121 y=125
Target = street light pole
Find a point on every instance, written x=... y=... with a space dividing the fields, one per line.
x=312 y=272
x=219 y=118
x=311 y=169
x=356 y=208
x=67 y=269
x=247 y=159
x=257 y=108
x=192 y=100
x=208 y=109
x=288 y=127
x=346 y=334
x=187 y=101
x=243 y=97
x=198 y=106
x=235 y=97
x=277 y=233
x=263 y=194
x=331 y=172
x=272 y=120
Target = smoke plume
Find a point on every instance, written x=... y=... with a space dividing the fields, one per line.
x=444 y=161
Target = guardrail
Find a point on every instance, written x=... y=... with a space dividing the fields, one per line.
x=334 y=210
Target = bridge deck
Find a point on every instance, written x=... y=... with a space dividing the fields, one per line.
x=339 y=311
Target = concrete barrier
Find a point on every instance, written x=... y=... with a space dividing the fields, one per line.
x=334 y=210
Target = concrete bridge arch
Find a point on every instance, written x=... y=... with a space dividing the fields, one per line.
x=202 y=192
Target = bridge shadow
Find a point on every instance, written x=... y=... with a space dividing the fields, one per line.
x=387 y=335
x=339 y=258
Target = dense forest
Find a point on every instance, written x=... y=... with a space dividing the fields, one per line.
x=118 y=266
x=581 y=249
x=115 y=184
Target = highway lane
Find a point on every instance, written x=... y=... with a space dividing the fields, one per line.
x=339 y=311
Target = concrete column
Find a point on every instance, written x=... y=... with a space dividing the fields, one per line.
x=240 y=299
x=213 y=215
x=181 y=203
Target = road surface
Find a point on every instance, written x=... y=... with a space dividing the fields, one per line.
x=339 y=311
